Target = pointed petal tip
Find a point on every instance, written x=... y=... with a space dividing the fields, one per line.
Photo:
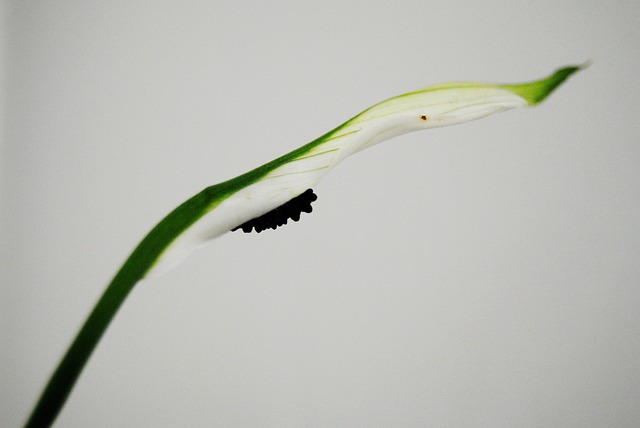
x=537 y=91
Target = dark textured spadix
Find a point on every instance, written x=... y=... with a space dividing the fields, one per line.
x=279 y=216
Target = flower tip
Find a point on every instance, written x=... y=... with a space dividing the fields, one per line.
x=537 y=91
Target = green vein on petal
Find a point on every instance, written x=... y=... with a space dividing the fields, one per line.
x=225 y=206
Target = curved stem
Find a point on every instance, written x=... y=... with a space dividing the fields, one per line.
x=68 y=371
x=135 y=267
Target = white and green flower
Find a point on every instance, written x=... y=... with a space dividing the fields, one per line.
x=268 y=195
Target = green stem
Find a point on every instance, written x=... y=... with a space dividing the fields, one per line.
x=68 y=371
x=134 y=269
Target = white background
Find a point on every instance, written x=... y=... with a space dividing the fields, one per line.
x=485 y=275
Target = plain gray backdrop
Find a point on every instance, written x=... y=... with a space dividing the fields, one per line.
x=484 y=275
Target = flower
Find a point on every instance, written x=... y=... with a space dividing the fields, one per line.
x=243 y=201
x=268 y=195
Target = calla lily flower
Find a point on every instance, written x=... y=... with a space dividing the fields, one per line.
x=269 y=195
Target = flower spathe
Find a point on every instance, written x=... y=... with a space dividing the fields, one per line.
x=257 y=192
